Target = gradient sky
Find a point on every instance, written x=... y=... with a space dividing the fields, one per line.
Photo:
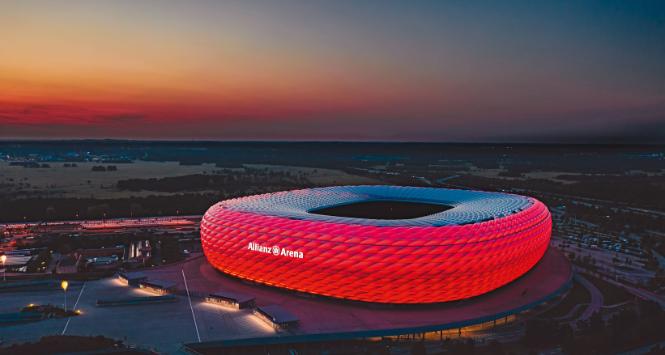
x=333 y=70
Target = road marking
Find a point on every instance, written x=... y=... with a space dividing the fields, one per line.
x=75 y=304
x=190 y=306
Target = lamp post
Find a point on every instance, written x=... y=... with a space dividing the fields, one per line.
x=64 y=284
x=3 y=258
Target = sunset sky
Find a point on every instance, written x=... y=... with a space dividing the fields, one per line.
x=333 y=70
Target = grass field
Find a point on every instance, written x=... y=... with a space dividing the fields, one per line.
x=81 y=182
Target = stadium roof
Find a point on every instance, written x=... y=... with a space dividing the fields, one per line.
x=467 y=206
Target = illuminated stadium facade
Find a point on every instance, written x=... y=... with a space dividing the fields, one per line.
x=410 y=245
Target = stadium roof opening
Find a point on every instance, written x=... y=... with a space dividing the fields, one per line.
x=382 y=209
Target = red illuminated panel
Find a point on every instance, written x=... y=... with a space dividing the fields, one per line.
x=385 y=264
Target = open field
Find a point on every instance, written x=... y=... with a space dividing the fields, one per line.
x=57 y=181
x=82 y=182
x=319 y=176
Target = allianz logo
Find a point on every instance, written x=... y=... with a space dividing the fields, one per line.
x=275 y=250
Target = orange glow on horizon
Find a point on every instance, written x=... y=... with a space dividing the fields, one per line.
x=325 y=70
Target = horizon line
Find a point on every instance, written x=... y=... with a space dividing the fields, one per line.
x=196 y=140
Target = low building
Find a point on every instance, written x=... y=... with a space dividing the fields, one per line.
x=132 y=278
x=231 y=299
x=276 y=316
x=99 y=258
x=17 y=261
x=159 y=287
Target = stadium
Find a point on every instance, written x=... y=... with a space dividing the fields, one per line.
x=379 y=244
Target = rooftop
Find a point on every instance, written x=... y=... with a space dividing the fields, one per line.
x=411 y=206
x=278 y=313
x=238 y=297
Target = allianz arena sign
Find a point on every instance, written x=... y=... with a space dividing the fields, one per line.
x=275 y=250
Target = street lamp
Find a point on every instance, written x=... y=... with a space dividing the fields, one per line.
x=3 y=258
x=64 y=284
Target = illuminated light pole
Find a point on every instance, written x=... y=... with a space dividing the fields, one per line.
x=3 y=258
x=64 y=284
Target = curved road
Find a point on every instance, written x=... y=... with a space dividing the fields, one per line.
x=596 y=297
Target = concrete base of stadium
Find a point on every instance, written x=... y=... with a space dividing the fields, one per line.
x=166 y=326
x=550 y=278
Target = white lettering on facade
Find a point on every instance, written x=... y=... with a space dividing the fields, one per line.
x=275 y=250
